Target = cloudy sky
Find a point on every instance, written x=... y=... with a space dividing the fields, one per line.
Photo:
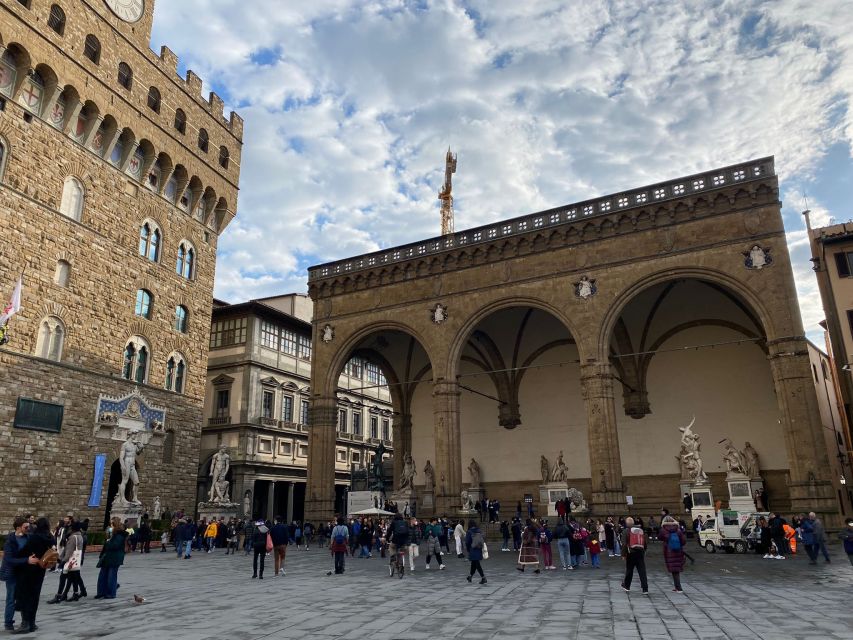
x=350 y=106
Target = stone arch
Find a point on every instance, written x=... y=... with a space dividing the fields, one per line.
x=474 y=319
x=735 y=285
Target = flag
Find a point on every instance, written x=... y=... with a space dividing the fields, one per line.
x=14 y=304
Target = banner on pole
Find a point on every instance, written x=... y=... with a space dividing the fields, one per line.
x=98 y=480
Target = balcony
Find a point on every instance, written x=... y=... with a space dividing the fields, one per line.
x=267 y=422
x=219 y=421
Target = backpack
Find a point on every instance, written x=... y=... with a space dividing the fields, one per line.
x=340 y=538
x=543 y=537
x=673 y=541
x=401 y=528
x=477 y=540
x=636 y=539
x=49 y=559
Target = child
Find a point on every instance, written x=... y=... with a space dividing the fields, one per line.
x=164 y=541
x=594 y=550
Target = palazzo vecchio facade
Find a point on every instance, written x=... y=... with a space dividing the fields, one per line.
x=116 y=179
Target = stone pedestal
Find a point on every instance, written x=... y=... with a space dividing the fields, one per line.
x=740 y=493
x=703 y=500
x=549 y=493
x=427 y=503
x=127 y=512
x=215 y=510
x=401 y=497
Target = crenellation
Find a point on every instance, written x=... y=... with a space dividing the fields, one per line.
x=235 y=122
x=194 y=84
x=169 y=59
x=217 y=105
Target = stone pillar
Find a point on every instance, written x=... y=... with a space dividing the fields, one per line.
x=290 y=487
x=608 y=493
x=810 y=484
x=322 y=436
x=271 y=501
x=448 y=446
x=402 y=435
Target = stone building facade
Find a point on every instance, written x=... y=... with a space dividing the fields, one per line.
x=116 y=180
x=258 y=401
x=593 y=331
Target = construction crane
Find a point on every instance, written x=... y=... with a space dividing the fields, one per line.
x=445 y=195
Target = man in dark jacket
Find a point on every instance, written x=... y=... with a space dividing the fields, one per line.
x=280 y=537
x=777 y=534
x=15 y=541
x=30 y=576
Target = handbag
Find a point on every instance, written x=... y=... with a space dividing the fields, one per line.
x=269 y=543
x=73 y=563
x=485 y=551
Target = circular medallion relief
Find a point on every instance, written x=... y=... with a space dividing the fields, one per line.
x=127 y=10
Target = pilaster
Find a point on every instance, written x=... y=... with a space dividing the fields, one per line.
x=322 y=436
x=448 y=446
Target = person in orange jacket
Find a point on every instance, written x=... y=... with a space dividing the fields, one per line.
x=791 y=537
x=210 y=535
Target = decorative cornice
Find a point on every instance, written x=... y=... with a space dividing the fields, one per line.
x=625 y=212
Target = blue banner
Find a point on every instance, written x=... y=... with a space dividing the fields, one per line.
x=98 y=480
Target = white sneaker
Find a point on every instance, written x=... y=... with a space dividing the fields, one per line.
x=441 y=567
x=427 y=567
x=767 y=555
x=780 y=557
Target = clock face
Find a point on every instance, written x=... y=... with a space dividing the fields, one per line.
x=127 y=10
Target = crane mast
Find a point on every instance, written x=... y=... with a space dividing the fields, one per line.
x=445 y=195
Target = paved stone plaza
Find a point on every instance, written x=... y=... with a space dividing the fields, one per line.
x=212 y=596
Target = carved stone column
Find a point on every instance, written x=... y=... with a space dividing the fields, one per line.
x=402 y=434
x=810 y=485
x=448 y=446
x=608 y=492
x=322 y=436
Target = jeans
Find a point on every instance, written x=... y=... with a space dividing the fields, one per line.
x=188 y=547
x=365 y=551
x=260 y=552
x=576 y=560
x=210 y=543
x=676 y=580
x=9 y=614
x=811 y=551
x=339 y=561
x=595 y=559
x=565 y=554
x=636 y=559
x=108 y=582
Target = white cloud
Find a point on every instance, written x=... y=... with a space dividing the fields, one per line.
x=349 y=107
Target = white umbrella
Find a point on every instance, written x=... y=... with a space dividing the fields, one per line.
x=373 y=511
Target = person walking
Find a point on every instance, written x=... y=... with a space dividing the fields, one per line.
x=458 y=536
x=819 y=536
x=807 y=535
x=433 y=548
x=260 y=543
x=109 y=561
x=673 y=549
x=210 y=533
x=846 y=537
x=338 y=544
x=144 y=535
x=475 y=545
x=72 y=559
x=634 y=544
x=280 y=535
x=12 y=560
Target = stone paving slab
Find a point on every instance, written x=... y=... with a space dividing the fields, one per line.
x=211 y=596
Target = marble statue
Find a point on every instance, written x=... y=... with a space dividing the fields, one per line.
x=407 y=477
x=468 y=501
x=561 y=471
x=474 y=470
x=750 y=459
x=131 y=448
x=682 y=464
x=545 y=468
x=156 y=511
x=577 y=500
x=429 y=477
x=732 y=457
x=247 y=503
x=691 y=458
x=219 y=466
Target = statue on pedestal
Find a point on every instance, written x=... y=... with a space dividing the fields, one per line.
x=474 y=470
x=561 y=471
x=407 y=477
x=219 y=466
x=750 y=458
x=429 y=477
x=378 y=473
x=732 y=457
x=545 y=468
x=127 y=460
x=692 y=461
x=156 y=511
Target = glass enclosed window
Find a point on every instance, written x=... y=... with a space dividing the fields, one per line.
x=342 y=420
x=224 y=333
x=149 y=242
x=181 y=318
x=143 y=303
x=56 y=21
x=180 y=121
x=356 y=423
x=92 y=49
x=287 y=408
x=303 y=411
x=305 y=347
x=268 y=401
x=203 y=140
x=288 y=342
x=154 y=99
x=269 y=335
x=125 y=75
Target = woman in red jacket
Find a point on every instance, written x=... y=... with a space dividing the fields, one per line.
x=673 y=549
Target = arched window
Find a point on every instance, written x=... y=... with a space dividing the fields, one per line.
x=154 y=176
x=125 y=75
x=8 y=72
x=137 y=354
x=62 y=273
x=72 y=199
x=185 y=265
x=186 y=199
x=171 y=190
x=223 y=157
x=56 y=21
x=180 y=121
x=50 y=339
x=143 y=303
x=154 y=99
x=203 y=140
x=201 y=209
x=176 y=370
x=181 y=318
x=149 y=241
x=92 y=49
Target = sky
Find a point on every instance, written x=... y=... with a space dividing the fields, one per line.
x=350 y=107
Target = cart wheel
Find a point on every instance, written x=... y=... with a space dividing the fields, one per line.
x=740 y=546
x=709 y=546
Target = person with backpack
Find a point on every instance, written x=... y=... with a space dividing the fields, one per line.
x=475 y=545
x=634 y=543
x=338 y=544
x=261 y=545
x=545 y=537
x=432 y=533
x=576 y=543
x=674 y=540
